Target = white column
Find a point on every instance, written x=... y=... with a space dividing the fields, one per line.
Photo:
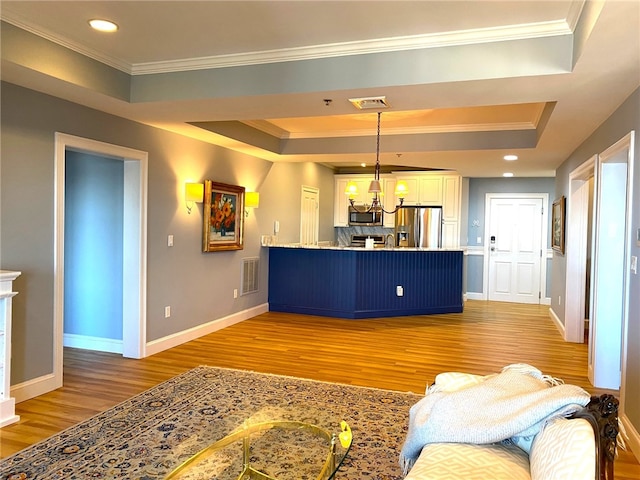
x=7 y=404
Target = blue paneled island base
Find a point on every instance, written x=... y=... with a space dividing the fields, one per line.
x=363 y=283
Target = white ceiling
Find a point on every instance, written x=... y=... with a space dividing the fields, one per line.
x=467 y=81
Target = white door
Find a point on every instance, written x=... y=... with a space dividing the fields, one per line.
x=515 y=249
x=309 y=216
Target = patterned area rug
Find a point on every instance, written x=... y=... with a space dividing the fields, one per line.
x=149 y=435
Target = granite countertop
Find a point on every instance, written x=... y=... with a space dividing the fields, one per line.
x=377 y=249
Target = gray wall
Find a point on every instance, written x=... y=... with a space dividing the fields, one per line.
x=625 y=119
x=198 y=286
x=478 y=188
x=280 y=199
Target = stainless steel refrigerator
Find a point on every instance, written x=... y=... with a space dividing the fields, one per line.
x=418 y=227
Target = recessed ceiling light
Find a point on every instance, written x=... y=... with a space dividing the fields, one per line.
x=510 y=158
x=507 y=174
x=103 y=25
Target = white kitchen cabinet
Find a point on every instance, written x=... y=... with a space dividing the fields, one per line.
x=430 y=190
x=413 y=194
x=450 y=234
x=389 y=201
x=451 y=193
x=7 y=404
x=424 y=188
x=363 y=197
x=433 y=189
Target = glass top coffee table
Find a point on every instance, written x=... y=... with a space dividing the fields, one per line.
x=274 y=450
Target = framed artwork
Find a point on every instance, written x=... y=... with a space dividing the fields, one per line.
x=557 y=225
x=223 y=217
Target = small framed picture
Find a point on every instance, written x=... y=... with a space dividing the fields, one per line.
x=557 y=225
x=223 y=217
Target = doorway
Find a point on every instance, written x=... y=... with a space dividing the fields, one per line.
x=93 y=239
x=578 y=250
x=134 y=227
x=610 y=270
x=516 y=225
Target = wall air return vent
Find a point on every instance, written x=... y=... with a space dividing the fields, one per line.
x=250 y=275
x=367 y=103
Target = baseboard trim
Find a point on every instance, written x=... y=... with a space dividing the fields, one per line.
x=556 y=321
x=87 y=342
x=475 y=296
x=482 y=296
x=34 y=387
x=179 y=338
x=8 y=412
x=47 y=383
x=631 y=436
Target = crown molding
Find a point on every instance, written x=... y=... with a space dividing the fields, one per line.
x=271 y=129
x=383 y=45
x=116 y=63
x=414 y=42
x=267 y=127
x=575 y=11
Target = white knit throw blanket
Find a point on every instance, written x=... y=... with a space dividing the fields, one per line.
x=514 y=403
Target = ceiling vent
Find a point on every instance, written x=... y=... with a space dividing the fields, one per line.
x=369 y=103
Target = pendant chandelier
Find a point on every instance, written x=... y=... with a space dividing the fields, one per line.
x=375 y=187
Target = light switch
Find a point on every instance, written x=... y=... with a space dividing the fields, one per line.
x=170 y=241
x=634 y=265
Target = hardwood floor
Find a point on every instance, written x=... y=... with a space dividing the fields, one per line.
x=402 y=353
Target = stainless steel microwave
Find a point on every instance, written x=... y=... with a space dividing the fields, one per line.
x=360 y=216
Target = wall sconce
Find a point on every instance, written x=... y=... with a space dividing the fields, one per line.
x=193 y=193
x=251 y=200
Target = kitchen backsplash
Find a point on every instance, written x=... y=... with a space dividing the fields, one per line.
x=343 y=234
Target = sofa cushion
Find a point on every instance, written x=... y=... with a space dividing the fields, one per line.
x=564 y=449
x=456 y=461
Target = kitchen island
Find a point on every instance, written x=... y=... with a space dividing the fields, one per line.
x=364 y=283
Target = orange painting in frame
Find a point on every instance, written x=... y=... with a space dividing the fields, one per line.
x=223 y=217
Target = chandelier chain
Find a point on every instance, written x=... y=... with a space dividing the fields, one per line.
x=376 y=201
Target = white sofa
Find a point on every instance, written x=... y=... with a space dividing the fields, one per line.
x=581 y=447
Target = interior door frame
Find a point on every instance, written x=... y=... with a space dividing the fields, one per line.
x=134 y=246
x=487 y=234
x=625 y=144
x=576 y=251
